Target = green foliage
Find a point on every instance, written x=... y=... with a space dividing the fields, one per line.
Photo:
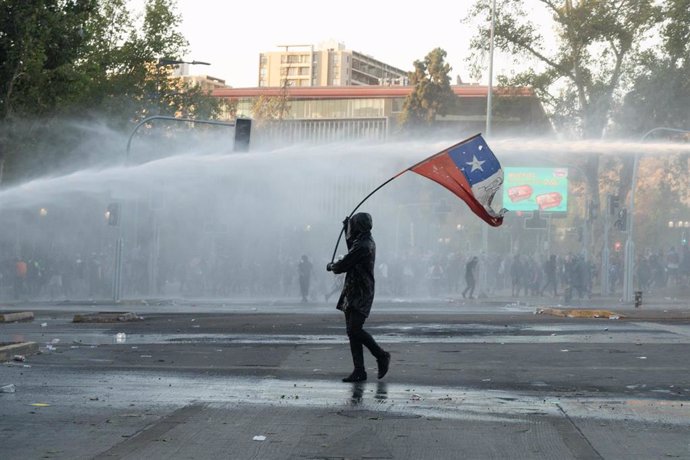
x=580 y=62
x=432 y=94
x=80 y=59
x=660 y=87
x=578 y=68
x=40 y=42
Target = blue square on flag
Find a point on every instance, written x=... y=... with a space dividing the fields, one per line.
x=470 y=170
x=475 y=159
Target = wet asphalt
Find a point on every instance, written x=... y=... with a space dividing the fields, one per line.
x=468 y=380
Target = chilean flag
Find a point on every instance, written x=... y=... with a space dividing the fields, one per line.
x=470 y=170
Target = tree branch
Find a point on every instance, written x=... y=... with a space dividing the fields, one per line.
x=542 y=58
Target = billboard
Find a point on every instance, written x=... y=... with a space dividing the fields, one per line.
x=532 y=189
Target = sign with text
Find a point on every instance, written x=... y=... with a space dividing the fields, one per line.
x=535 y=189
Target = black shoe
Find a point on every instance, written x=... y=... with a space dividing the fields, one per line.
x=356 y=376
x=383 y=364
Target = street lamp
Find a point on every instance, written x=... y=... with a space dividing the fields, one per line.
x=165 y=61
x=491 y=70
x=489 y=95
x=630 y=242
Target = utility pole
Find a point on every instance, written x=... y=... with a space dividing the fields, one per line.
x=485 y=230
x=630 y=241
x=489 y=92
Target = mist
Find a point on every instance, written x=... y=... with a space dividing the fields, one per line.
x=199 y=221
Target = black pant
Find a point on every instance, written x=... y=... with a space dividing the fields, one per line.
x=358 y=337
x=470 y=286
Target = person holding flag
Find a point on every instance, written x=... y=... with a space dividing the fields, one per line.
x=470 y=170
x=357 y=295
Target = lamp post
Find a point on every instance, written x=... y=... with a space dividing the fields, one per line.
x=164 y=61
x=630 y=241
x=491 y=69
x=489 y=91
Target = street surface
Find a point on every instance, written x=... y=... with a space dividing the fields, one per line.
x=261 y=380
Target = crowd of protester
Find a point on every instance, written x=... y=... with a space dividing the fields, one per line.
x=568 y=276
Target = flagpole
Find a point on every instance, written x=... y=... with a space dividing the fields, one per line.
x=342 y=230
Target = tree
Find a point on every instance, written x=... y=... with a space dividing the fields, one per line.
x=659 y=96
x=66 y=60
x=40 y=42
x=267 y=108
x=431 y=95
x=579 y=68
x=660 y=93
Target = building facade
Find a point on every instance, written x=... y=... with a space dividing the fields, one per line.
x=205 y=82
x=328 y=64
x=323 y=114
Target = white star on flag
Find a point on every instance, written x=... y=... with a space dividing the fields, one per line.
x=476 y=164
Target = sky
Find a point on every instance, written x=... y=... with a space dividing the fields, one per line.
x=230 y=35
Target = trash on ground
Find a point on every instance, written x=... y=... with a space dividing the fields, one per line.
x=44 y=324
x=7 y=388
x=106 y=317
x=259 y=438
x=40 y=405
x=19 y=358
x=120 y=337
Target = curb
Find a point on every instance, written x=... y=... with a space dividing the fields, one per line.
x=579 y=313
x=8 y=351
x=17 y=316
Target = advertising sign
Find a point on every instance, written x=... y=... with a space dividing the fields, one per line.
x=532 y=189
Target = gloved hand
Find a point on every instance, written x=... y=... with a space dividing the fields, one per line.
x=329 y=267
x=345 y=222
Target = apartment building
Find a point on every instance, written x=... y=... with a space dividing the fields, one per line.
x=206 y=82
x=327 y=64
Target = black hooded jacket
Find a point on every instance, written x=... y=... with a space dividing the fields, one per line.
x=358 y=290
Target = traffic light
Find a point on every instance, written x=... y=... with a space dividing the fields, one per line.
x=613 y=204
x=621 y=222
x=243 y=131
x=112 y=214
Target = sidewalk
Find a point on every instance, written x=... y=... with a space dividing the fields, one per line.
x=676 y=305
